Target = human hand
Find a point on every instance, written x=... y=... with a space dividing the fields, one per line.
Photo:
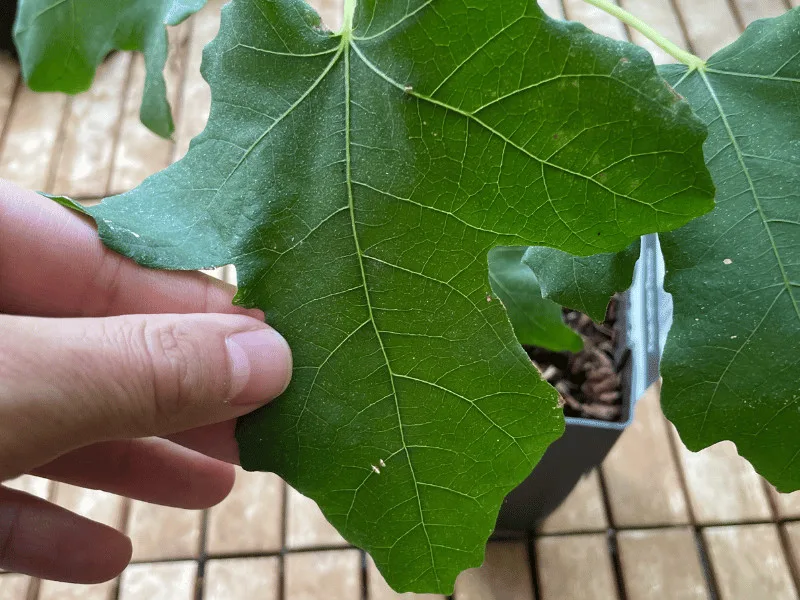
x=112 y=378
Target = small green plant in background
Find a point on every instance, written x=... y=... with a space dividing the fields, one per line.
x=358 y=180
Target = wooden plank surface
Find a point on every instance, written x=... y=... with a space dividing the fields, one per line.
x=661 y=564
x=660 y=16
x=597 y=20
x=56 y=590
x=330 y=11
x=165 y=581
x=161 y=532
x=13 y=586
x=750 y=10
x=554 y=8
x=723 y=487
x=504 y=575
x=93 y=504
x=642 y=480
x=36 y=486
x=786 y=505
x=575 y=566
x=306 y=526
x=793 y=536
x=83 y=167
x=196 y=96
x=748 y=563
x=9 y=80
x=331 y=574
x=140 y=152
x=710 y=24
x=31 y=136
x=250 y=519
x=582 y=511
x=242 y=579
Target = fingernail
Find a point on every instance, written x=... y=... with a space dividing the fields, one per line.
x=261 y=366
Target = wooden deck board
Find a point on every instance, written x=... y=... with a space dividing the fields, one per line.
x=83 y=167
x=242 y=579
x=663 y=19
x=165 y=581
x=577 y=566
x=748 y=562
x=55 y=590
x=36 y=486
x=93 y=504
x=378 y=589
x=747 y=11
x=505 y=575
x=642 y=480
x=723 y=487
x=710 y=25
x=250 y=519
x=140 y=152
x=306 y=526
x=13 y=586
x=31 y=135
x=597 y=20
x=660 y=564
x=196 y=96
x=787 y=505
x=160 y=532
x=331 y=574
x=582 y=511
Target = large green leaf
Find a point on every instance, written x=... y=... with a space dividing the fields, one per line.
x=536 y=320
x=584 y=283
x=732 y=363
x=61 y=43
x=357 y=181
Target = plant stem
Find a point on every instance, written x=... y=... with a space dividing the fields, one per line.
x=687 y=58
x=347 y=18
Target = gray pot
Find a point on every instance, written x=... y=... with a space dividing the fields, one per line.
x=8 y=11
x=644 y=319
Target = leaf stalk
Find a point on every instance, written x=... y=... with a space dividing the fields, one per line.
x=687 y=58
x=347 y=17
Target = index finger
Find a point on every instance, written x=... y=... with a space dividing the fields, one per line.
x=53 y=264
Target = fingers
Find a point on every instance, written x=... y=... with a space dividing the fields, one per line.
x=152 y=470
x=68 y=383
x=76 y=275
x=40 y=539
x=217 y=440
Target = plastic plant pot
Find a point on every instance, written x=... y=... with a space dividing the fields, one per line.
x=8 y=11
x=644 y=319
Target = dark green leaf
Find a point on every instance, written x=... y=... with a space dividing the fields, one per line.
x=732 y=363
x=61 y=43
x=357 y=182
x=536 y=321
x=584 y=283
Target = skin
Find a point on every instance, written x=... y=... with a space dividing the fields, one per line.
x=113 y=377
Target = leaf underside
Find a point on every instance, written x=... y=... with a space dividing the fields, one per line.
x=731 y=366
x=357 y=182
x=536 y=320
x=62 y=42
x=583 y=283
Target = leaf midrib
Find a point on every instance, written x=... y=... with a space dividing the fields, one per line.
x=360 y=255
x=740 y=156
x=741 y=160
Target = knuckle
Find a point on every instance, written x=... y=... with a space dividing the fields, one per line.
x=173 y=358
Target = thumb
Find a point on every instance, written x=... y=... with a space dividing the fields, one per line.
x=67 y=383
